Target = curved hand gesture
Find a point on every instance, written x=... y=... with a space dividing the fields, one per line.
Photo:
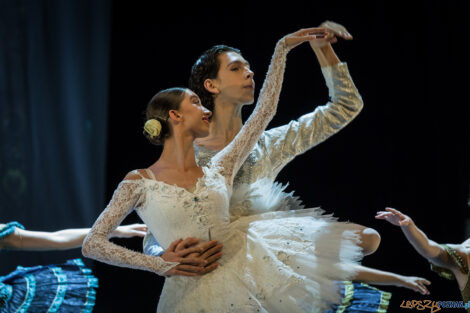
x=394 y=217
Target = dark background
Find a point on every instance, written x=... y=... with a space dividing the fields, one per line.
x=407 y=149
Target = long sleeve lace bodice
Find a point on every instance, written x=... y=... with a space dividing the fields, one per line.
x=233 y=155
x=127 y=196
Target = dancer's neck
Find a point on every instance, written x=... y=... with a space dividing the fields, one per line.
x=226 y=122
x=178 y=153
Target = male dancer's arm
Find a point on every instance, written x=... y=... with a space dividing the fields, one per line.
x=284 y=143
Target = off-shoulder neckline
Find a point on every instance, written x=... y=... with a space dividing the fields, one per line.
x=195 y=187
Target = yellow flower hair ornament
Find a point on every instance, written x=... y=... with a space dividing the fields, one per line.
x=153 y=128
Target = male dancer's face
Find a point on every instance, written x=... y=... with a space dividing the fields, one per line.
x=235 y=79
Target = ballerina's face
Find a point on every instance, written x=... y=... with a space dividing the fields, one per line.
x=235 y=79
x=195 y=115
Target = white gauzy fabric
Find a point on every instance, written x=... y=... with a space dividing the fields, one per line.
x=284 y=261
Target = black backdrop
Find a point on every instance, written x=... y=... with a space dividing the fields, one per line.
x=408 y=148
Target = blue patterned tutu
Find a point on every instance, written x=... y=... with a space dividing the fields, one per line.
x=362 y=298
x=68 y=287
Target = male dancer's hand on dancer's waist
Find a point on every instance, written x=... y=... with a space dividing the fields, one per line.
x=209 y=251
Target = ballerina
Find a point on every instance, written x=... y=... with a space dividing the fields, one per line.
x=285 y=261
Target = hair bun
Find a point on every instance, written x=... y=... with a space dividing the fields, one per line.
x=153 y=127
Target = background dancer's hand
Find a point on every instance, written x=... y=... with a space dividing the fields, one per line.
x=306 y=34
x=417 y=284
x=211 y=251
x=189 y=265
x=394 y=217
x=128 y=231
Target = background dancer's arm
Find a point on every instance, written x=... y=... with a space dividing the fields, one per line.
x=97 y=244
x=426 y=247
x=377 y=277
x=64 y=239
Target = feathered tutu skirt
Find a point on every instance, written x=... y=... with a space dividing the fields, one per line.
x=274 y=261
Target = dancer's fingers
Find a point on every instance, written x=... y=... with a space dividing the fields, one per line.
x=183 y=273
x=187 y=242
x=423 y=289
x=395 y=212
x=187 y=251
x=189 y=268
x=209 y=268
x=383 y=215
x=214 y=258
x=211 y=251
x=173 y=245
x=311 y=31
x=193 y=261
x=208 y=245
x=137 y=233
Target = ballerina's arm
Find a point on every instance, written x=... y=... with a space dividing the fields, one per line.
x=97 y=245
x=233 y=155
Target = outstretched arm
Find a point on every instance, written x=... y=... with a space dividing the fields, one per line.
x=64 y=239
x=427 y=248
x=377 y=277
x=233 y=155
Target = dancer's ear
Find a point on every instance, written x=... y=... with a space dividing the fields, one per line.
x=175 y=115
x=212 y=86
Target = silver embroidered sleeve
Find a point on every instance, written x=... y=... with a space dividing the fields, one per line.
x=97 y=245
x=285 y=142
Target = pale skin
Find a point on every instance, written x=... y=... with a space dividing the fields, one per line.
x=234 y=87
x=426 y=247
x=64 y=239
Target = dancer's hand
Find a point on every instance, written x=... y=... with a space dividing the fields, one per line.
x=306 y=34
x=417 y=284
x=394 y=216
x=128 y=231
x=333 y=30
x=211 y=251
x=337 y=30
x=189 y=265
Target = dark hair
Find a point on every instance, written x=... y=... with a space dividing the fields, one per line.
x=159 y=108
x=207 y=66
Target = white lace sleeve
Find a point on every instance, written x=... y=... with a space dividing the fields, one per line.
x=97 y=246
x=232 y=156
